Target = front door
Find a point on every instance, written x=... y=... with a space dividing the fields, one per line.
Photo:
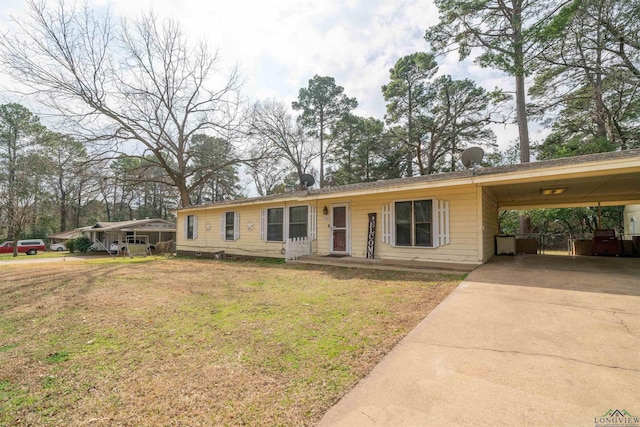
x=339 y=229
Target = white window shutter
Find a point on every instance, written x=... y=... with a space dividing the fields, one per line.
x=195 y=227
x=312 y=223
x=387 y=223
x=223 y=226
x=263 y=224
x=186 y=227
x=285 y=223
x=443 y=222
x=447 y=222
x=236 y=225
x=435 y=223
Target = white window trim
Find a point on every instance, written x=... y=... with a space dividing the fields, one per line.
x=312 y=218
x=195 y=227
x=311 y=222
x=444 y=234
x=440 y=223
x=264 y=226
x=223 y=226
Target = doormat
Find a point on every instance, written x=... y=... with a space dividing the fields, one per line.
x=336 y=256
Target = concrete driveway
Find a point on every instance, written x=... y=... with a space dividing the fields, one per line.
x=525 y=340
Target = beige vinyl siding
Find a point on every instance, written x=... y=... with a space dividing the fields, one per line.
x=463 y=226
x=248 y=243
x=490 y=226
x=463 y=219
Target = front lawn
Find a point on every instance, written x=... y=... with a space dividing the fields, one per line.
x=186 y=342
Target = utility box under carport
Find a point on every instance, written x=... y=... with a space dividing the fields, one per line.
x=505 y=245
x=527 y=246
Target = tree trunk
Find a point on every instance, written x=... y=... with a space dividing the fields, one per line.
x=321 y=184
x=523 y=127
x=409 y=161
x=525 y=225
x=78 y=208
x=185 y=202
x=601 y=130
x=521 y=102
x=453 y=155
x=63 y=210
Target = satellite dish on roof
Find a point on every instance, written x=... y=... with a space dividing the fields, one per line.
x=307 y=180
x=471 y=158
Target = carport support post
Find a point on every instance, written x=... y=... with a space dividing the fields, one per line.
x=599 y=217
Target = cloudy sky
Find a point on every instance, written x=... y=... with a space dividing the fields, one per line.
x=279 y=45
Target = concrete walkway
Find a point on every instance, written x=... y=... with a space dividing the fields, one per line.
x=525 y=340
x=393 y=265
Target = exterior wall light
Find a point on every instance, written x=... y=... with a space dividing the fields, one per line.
x=552 y=191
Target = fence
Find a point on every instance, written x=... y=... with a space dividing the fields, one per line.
x=570 y=243
x=297 y=247
x=555 y=243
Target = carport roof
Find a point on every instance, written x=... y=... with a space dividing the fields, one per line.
x=153 y=224
x=69 y=234
x=599 y=179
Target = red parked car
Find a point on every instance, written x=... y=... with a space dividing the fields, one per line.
x=29 y=247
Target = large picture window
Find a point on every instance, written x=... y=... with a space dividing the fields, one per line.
x=275 y=225
x=414 y=223
x=298 y=221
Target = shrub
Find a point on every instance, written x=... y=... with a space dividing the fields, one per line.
x=71 y=245
x=79 y=244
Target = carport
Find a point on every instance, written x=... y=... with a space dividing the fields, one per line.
x=605 y=179
x=153 y=230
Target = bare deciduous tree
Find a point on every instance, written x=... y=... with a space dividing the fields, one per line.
x=267 y=173
x=272 y=123
x=137 y=81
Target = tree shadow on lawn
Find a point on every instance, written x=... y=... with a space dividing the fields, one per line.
x=342 y=272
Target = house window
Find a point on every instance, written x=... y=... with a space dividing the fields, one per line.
x=190 y=227
x=275 y=225
x=298 y=221
x=279 y=224
x=414 y=223
x=229 y=226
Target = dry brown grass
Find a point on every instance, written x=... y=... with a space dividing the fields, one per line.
x=183 y=342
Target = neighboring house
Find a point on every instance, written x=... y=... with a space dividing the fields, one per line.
x=66 y=235
x=632 y=220
x=104 y=234
x=109 y=235
x=446 y=218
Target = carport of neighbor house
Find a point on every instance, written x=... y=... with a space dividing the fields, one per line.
x=610 y=179
x=525 y=340
x=148 y=231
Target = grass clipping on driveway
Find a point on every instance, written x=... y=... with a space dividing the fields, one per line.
x=196 y=342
